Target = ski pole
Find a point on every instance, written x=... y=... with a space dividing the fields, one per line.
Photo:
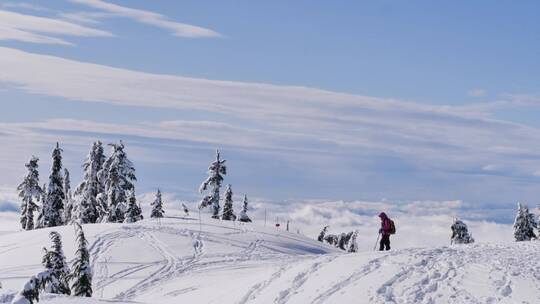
x=377 y=241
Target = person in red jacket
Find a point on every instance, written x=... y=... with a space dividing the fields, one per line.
x=385 y=231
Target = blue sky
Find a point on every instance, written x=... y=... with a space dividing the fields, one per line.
x=351 y=100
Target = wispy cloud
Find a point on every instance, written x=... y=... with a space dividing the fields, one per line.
x=143 y=16
x=477 y=92
x=24 y=5
x=34 y=29
x=86 y=17
x=331 y=134
x=304 y=114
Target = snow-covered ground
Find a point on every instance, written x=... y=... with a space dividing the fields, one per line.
x=151 y=262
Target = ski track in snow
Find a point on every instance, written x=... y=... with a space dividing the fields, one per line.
x=171 y=267
x=300 y=279
x=164 y=272
x=363 y=271
x=260 y=286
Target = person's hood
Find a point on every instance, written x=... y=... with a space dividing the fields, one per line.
x=382 y=215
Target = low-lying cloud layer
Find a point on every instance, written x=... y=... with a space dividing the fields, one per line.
x=419 y=224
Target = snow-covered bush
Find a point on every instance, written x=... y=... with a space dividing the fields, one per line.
x=343 y=241
x=353 y=246
x=322 y=234
x=30 y=291
x=460 y=233
x=243 y=217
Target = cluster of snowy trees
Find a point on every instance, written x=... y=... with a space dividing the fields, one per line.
x=57 y=277
x=343 y=241
x=106 y=194
x=212 y=186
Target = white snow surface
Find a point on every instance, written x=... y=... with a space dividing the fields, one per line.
x=177 y=260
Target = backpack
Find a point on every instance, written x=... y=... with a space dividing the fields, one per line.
x=392 y=227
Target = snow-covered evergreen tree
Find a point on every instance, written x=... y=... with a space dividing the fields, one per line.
x=353 y=245
x=157 y=206
x=460 y=233
x=55 y=262
x=215 y=177
x=118 y=176
x=68 y=201
x=81 y=271
x=228 y=212
x=133 y=212
x=524 y=224
x=343 y=240
x=52 y=211
x=322 y=234
x=88 y=208
x=30 y=292
x=28 y=191
x=243 y=217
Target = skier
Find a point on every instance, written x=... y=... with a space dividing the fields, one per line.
x=387 y=228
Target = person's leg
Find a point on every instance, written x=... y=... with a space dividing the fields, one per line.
x=381 y=244
x=384 y=242
x=387 y=242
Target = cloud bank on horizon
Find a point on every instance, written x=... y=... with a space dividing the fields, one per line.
x=283 y=142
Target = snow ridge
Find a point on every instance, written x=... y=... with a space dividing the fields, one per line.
x=156 y=261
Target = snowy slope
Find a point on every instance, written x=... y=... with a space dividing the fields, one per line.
x=153 y=262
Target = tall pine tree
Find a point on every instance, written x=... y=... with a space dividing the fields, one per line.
x=243 y=217
x=524 y=224
x=118 y=176
x=228 y=212
x=28 y=191
x=87 y=207
x=157 y=206
x=55 y=262
x=81 y=271
x=215 y=178
x=52 y=211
